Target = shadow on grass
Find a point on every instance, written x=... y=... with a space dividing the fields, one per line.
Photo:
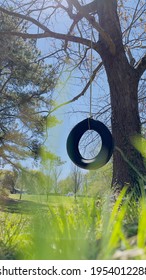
x=20 y=206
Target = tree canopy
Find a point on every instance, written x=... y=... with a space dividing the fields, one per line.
x=26 y=86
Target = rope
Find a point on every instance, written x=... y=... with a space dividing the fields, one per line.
x=91 y=72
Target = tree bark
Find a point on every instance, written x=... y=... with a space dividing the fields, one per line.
x=123 y=82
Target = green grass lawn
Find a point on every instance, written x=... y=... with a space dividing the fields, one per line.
x=64 y=228
x=53 y=199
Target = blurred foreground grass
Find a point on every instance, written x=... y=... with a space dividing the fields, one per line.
x=65 y=228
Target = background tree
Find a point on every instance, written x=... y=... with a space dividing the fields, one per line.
x=118 y=43
x=77 y=177
x=97 y=182
x=72 y=183
x=65 y=185
x=49 y=167
x=34 y=182
x=26 y=86
x=7 y=181
x=56 y=169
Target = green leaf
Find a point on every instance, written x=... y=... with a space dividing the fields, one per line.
x=139 y=143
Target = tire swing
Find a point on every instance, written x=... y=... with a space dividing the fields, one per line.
x=77 y=132
x=73 y=144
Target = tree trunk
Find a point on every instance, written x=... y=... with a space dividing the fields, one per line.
x=123 y=82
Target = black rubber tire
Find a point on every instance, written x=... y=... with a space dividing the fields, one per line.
x=106 y=149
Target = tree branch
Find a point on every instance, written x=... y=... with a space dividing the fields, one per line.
x=25 y=17
x=82 y=92
x=85 y=12
x=54 y=35
x=91 y=7
x=47 y=32
x=75 y=22
x=141 y=66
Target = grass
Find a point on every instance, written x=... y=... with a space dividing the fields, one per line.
x=62 y=228
x=53 y=199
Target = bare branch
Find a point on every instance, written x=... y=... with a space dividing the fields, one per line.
x=91 y=7
x=25 y=17
x=141 y=66
x=82 y=92
x=75 y=22
x=47 y=32
x=67 y=10
x=84 y=11
x=102 y=32
x=65 y=37
x=54 y=35
x=49 y=55
x=131 y=58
